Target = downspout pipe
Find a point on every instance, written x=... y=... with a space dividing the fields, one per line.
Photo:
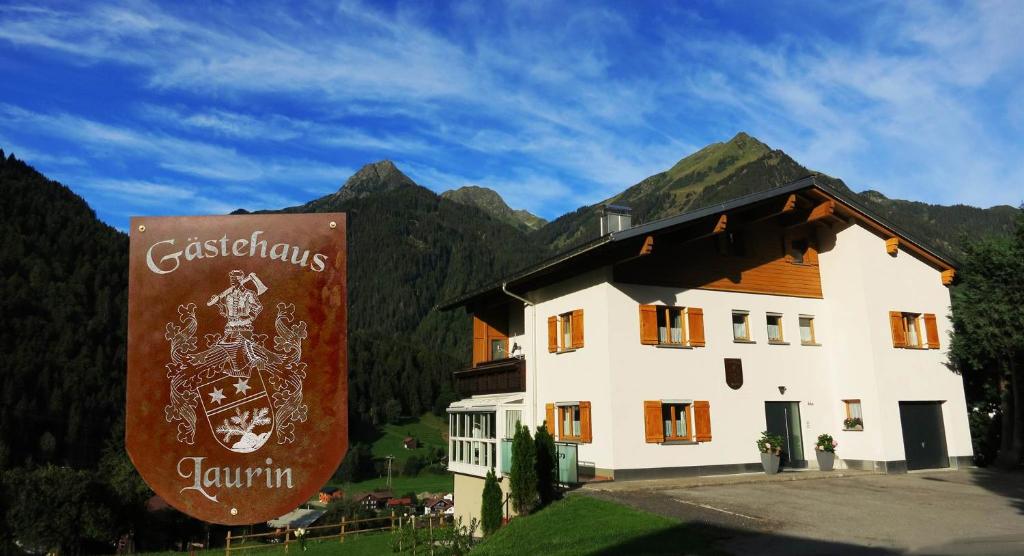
x=533 y=355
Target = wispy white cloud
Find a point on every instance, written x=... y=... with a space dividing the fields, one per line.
x=917 y=100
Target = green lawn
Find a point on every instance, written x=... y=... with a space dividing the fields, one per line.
x=580 y=524
x=368 y=544
x=428 y=430
x=424 y=482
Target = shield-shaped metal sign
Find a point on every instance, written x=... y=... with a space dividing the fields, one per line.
x=237 y=371
x=734 y=373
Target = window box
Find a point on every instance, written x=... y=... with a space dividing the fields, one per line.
x=854 y=417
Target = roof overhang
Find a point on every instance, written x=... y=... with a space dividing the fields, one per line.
x=803 y=201
x=486 y=402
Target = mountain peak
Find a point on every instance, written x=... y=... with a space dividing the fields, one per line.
x=490 y=201
x=372 y=178
x=380 y=170
x=714 y=158
x=746 y=142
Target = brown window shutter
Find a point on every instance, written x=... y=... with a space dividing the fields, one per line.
x=577 y=329
x=585 y=422
x=899 y=334
x=479 y=341
x=552 y=334
x=649 y=325
x=695 y=323
x=702 y=421
x=654 y=430
x=932 y=331
x=550 y=418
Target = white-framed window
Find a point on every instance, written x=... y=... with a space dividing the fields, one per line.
x=473 y=438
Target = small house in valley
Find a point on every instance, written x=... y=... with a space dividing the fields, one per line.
x=329 y=494
x=374 y=500
x=664 y=349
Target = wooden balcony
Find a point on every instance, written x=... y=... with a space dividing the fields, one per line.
x=503 y=376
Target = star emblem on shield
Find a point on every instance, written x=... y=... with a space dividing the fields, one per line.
x=241 y=415
x=228 y=381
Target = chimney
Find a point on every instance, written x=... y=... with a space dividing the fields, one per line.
x=615 y=218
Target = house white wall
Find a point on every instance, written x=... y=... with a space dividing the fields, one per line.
x=583 y=374
x=855 y=360
x=641 y=372
x=861 y=283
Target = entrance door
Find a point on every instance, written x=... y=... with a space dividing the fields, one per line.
x=783 y=419
x=924 y=435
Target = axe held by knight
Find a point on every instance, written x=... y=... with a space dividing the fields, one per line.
x=260 y=288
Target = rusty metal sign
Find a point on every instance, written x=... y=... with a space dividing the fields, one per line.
x=734 y=373
x=237 y=395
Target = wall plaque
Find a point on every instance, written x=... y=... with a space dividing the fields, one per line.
x=734 y=373
x=237 y=388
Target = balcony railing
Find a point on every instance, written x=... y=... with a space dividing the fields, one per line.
x=503 y=376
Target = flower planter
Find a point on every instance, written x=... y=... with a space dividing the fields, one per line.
x=770 y=463
x=826 y=460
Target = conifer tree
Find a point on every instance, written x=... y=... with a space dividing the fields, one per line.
x=547 y=465
x=490 y=507
x=988 y=341
x=523 y=476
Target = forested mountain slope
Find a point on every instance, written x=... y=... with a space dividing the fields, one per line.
x=63 y=296
x=490 y=201
x=409 y=249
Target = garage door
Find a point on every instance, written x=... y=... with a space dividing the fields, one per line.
x=924 y=435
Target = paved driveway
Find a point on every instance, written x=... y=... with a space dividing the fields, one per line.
x=944 y=512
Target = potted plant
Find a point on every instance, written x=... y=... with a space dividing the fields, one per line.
x=825 y=450
x=770 y=446
x=853 y=424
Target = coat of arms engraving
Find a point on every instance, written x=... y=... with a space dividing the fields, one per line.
x=248 y=392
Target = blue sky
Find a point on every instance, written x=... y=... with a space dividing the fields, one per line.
x=159 y=108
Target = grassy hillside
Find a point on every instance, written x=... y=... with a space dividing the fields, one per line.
x=724 y=171
x=428 y=430
x=584 y=525
x=387 y=439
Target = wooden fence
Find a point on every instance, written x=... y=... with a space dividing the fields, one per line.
x=345 y=528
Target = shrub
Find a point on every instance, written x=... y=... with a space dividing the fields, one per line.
x=547 y=465
x=523 y=476
x=490 y=506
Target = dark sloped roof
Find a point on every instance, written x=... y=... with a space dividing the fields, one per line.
x=606 y=242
